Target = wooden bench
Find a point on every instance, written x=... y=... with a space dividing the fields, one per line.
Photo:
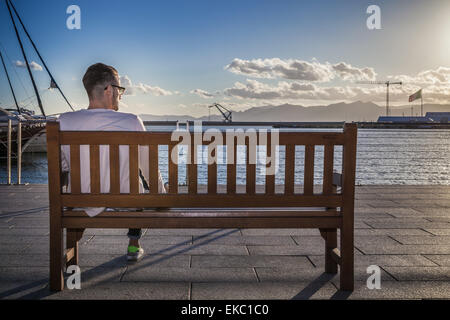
x=328 y=210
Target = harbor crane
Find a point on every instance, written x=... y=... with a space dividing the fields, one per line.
x=224 y=111
x=387 y=83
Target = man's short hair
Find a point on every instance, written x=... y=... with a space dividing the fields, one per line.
x=98 y=74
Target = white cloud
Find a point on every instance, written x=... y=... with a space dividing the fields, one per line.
x=347 y=72
x=133 y=89
x=294 y=69
x=439 y=76
x=434 y=82
x=284 y=92
x=33 y=65
x=254 y=89
x=202 y=93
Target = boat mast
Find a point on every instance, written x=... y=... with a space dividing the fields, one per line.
x=39 y=55
x=26 y=61
x=9 y=81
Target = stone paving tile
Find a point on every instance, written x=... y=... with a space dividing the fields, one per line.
x=384 y=216
x=309 y=274
x=359 y=239
x=391 y=290
x=105 y=232
x=438 y=219
x=167 y=249
x=37 y=221
x=432 y=211
x=110 y=260
x=250 y=261
x=24 y=231
x=382 y=260
x=280 y=232
x=436 y=203
x=36 y=247
x=382 y=204
x=147 y=240
x=407 y=224
x=21 y=210
x=441 y=260
x=12 y=274
x=361 y=225
x=14 y=248
x=194 y=232
x=389 y=213
x=304 y=249
x=409 y=196
x=262 y=290
x=374 y=248
x=29 y=224
x=403 y=212
x=128 y=290
x=248 y=240
x=366 y=196
x=88 y=275
x=376 y=215
x=25 y=215
x=430 y=239
x=419 y=273
x=21 y=260
x=154 y=273
x=390 y=232
x=427 y=215
x=397 y=220
x=24 y=289
x=22 y=239
x=439 y=232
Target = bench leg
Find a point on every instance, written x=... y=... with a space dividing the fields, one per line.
x=72 y=238
x=347 y=262
x=330 y=236
x=56 y=257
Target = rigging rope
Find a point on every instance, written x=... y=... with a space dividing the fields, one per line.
x=15 y=71
x=39 y=55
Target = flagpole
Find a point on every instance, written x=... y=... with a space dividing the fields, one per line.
x=421 y=105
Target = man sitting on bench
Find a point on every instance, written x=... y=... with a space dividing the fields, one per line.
x=102 y=85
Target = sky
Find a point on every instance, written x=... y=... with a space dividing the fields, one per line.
x=179 y=57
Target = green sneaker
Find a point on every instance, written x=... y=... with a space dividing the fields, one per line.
x=134 y=253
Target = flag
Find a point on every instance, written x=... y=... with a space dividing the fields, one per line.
x=415 y=96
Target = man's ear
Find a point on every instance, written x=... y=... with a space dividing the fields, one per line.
x=108 y=92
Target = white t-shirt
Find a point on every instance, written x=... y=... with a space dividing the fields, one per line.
x=104 y=120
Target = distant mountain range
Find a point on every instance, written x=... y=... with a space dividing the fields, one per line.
x=355 y=111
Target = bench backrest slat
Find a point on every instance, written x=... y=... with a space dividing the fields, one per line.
x=212 y=171
x=289 y=171
x=270 y=193
x=114 y=167
x=270 y=158
x=231 y=166
x=94 y=164
x=173 y=169
x=192 y=169
x=134 y=168
x=328 y=161
x=250 y=170
x=309 y=170
x=153 y=168
x=75 y=181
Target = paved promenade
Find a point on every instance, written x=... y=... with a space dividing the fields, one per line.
x=403 y=229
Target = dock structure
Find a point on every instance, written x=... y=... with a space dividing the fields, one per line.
x=404 y=230
x=15 y=137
